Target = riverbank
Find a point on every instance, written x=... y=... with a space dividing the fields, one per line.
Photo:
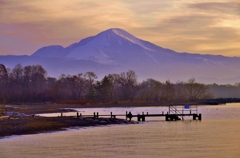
x=32 y=125
x=24 y=119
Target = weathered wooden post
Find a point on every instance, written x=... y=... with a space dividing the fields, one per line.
x=166 y=117
x=81 y=115
x=94 y=115
x=138 y=117
x=143 y=118
x=61 y=114
x=77 y=115
x=200 y=117
x=194 y=116
x=97 y=114
x=111 y=114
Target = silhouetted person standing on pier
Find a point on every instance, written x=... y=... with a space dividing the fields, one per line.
x=130 y=116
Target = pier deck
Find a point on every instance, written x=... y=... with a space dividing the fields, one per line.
x=175 y=113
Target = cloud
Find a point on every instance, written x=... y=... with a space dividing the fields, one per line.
x=45 y=10
x=51 y=21
x=196 y=26
x=196 y=33
x=218 y=7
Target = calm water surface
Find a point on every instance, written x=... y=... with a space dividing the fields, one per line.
x=217 y=135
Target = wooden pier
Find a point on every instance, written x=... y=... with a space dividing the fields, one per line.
x=175 y=113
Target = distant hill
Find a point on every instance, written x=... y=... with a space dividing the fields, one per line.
x=115 y=50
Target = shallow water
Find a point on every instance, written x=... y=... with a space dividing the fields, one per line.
x=217 y=135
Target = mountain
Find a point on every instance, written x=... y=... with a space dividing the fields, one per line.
x=113 y=46
x=115 y=50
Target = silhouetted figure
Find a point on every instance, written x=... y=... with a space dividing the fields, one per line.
x=130 y=116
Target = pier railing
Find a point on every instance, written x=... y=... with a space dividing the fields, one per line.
x=183 y=110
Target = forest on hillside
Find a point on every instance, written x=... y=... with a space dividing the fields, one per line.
x=31 y=84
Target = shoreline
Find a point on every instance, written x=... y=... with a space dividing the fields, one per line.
x=14 y=126
x=22 y=119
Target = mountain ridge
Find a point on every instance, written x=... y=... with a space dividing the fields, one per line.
x=119 y=49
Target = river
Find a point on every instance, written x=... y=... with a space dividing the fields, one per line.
x=216 y=136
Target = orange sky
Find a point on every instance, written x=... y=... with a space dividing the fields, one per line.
x=196 y=26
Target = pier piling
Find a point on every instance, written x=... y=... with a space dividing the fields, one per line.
x=138 y=117
x=200 y=117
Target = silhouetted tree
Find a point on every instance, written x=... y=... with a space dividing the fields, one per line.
x=31 y=84
x=195 y=91
x=3 y=83
x=127 y=83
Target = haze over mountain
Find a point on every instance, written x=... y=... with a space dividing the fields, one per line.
x=115 y=50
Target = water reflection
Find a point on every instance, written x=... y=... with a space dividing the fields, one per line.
x=217 y=135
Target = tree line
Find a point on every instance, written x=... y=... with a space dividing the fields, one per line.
x=31 y=84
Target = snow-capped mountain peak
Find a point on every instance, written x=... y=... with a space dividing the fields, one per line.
x=127 y=36
x=109 y=46
x=116 y=50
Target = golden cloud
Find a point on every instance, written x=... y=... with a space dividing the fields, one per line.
x=196 y=26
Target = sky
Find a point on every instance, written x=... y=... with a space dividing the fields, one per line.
x=196 y=26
